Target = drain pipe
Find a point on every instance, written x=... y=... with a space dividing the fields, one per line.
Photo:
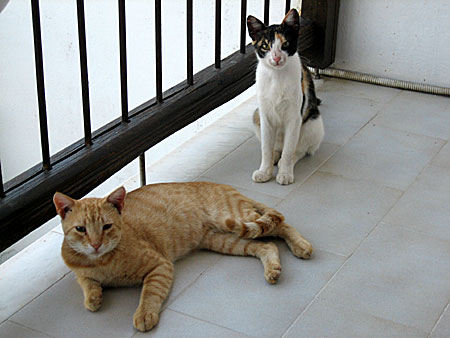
x=355 y=76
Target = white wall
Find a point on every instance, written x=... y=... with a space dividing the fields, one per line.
x=402 y=39
x=19 y=125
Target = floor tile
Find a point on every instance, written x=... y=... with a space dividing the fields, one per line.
x=65 y=315
x=190 y=160
x=344 y=116
x=417 y=113
x=358 y=89
x=336 y=213
x=30 y=272
x=237 y=169
x=13 y=330
x=425 y=206
x=188 y=269
x=174 y=324
x=390 y=157
x=326 y=319
x=442 y=159
x=234 y=293
x=397 y=275
x=442 y=329
x=266 y=199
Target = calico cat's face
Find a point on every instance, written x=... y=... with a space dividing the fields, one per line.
x=276 y=43
x=92 y=226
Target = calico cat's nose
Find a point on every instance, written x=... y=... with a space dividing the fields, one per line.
x=277 y=59
x=96 y=245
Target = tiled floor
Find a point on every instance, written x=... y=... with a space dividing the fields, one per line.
x=374 y=201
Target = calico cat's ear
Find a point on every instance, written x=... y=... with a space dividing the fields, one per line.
x=117 y=198
x=291 y=20
x=63 y=204
x=255 y=27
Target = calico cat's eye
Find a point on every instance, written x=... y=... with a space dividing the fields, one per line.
x=107 y=226
x=265 y=46
x=285 y=44
x=81 y=229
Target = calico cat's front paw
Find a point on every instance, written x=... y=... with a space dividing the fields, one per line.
x=260 y=176
x=284 y=179
x=145 y=320
x=93 y=300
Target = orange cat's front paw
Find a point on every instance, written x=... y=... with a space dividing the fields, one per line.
x=93 y=301
x=272 y=273
x=145 y=320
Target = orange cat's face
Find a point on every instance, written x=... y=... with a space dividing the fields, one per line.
x=92 y=226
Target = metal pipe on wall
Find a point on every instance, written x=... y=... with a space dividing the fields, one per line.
x=382 y=81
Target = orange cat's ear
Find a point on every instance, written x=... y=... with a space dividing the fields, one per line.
x=117 y=198
x=63 y=204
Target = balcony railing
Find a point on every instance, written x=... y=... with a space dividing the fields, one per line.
x=26 y=200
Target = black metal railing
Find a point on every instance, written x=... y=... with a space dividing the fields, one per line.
x=26 y=200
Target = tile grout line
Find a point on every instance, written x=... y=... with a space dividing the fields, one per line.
x=439 y=319
x=29 y=328
x=348 y=258
x=205 y=321
x=433 y=237
x=314 y=298
x=311 y=174
x=377 y=111
x=356 y=249
x=190 y=284
x=40 y=294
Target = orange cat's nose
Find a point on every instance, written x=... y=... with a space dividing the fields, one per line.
x=96 y=245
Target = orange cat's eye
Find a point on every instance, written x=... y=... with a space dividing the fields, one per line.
x=107 y=226
x=81 y=229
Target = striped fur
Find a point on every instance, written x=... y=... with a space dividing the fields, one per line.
x=127 y=239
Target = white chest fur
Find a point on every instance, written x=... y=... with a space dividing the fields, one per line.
x=279 y=90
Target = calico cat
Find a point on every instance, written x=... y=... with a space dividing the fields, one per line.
x=127 y=239
x=288 y=121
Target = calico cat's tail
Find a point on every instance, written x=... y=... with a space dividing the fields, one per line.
x=310 y=102
x=257 y=123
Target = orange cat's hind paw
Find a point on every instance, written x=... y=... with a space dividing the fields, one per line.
x=301 y=248
x=145 y=320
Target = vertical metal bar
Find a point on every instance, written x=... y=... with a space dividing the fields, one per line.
x=288 y=6
x=190 y=58
x=84 y=72
x=266 y=11
x=142 y=169
x=123 y=61
x=218 y=32
x=316 y=73
x=40 y=84
x=159 y=97
x=2 y=190
x=243 y=24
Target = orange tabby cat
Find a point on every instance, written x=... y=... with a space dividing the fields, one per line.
x=127 y=239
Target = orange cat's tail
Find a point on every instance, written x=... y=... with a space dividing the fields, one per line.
x=263 y=221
